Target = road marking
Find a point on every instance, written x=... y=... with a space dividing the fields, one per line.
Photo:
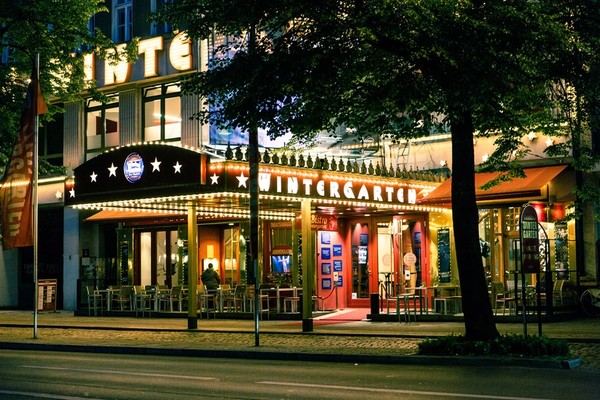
x=44 y=395
x=116 y=372
x=399 y=391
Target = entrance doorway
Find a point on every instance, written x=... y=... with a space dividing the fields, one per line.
x=400 y=246
x=159 y=258
x=234 y=256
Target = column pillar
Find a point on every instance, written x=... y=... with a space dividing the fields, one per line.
x=192 y=266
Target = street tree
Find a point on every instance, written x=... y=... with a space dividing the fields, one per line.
x=60 y=32
x=399 y=68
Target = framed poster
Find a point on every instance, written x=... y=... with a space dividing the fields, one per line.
x=326 y=268
x=337 y=265
x=444 y=255
x=325 y=237
x=364 y=239
x=362 y=254
x=337 y=250
x=340 y=282
x=326 y=283
x=326 y=253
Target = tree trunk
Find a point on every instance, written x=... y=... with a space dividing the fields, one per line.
x=479 y=319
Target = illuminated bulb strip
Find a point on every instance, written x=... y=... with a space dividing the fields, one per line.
x=301 y=172
x=155 y=142
x=202 y=211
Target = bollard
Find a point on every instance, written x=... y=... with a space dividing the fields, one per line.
x=374 y=303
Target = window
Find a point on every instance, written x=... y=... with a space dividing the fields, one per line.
x=102 y=125
x=92 y=25
x=50 y=141
x=160 y=28
x=122 y=20
x=162 y=113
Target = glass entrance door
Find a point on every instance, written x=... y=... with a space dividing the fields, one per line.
x=235 y=256
x=159 y=258
x=360 y=261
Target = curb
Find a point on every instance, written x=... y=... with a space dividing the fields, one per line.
x=289 y=356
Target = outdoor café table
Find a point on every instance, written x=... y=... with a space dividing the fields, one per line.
x=422 y=292
x=406 y=297
x=280 y=294
x=109 y=294
x=444 y=294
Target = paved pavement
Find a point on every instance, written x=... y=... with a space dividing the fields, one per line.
x=335 y=337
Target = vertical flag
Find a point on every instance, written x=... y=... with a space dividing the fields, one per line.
x=17 y=186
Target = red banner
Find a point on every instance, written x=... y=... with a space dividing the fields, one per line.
x=16 y=190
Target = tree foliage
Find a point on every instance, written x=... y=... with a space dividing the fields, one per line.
x=59 y=32
x=396 y=67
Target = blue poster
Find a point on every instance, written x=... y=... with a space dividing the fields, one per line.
x=337 y=250
x=326 y=268
x=326 y=253
x=340 y=283
x=364 y=239
x=325 y=237
x=326 y=283
x=337 y=265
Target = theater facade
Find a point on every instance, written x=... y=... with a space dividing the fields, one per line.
x=360 y=223
x=141 y=170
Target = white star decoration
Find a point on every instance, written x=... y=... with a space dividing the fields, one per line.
x=242 y=180
x=214 y=179
x=112 y=170
x=177 y=167
x=58 y=195
x=93 y=176
x=72 y=192
x=156 y=165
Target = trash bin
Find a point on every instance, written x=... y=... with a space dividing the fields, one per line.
x=374 y=303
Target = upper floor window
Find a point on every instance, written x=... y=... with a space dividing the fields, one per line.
x=162 y=113
x=102 y=125
x=159 y=28
x=50 y=140
x=122 y=25
x=92 y=25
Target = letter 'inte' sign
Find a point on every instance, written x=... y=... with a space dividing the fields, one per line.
x=530 y=241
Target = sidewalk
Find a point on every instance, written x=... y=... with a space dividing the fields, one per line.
x=337 y=336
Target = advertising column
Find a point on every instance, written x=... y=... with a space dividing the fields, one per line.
x=530 y=253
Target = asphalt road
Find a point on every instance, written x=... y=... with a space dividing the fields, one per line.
x=55 y=375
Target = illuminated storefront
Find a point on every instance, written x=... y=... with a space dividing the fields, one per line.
x=361 y=224
x=549 y=189
x=139 y=161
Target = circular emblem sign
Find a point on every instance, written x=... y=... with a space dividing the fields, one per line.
x=133 y=167
x=410 y=259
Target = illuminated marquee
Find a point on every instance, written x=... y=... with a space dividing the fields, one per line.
x=316 y=185
x=179 y=53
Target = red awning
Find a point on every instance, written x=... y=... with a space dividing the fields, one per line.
x=129 y=215
x=528 y=187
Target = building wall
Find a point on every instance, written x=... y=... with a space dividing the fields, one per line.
x=9 y=279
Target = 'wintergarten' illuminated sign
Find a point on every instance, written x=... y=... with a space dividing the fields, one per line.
x=154 y=53
x=281 y=182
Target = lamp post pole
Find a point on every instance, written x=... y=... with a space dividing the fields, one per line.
x=253 y=160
